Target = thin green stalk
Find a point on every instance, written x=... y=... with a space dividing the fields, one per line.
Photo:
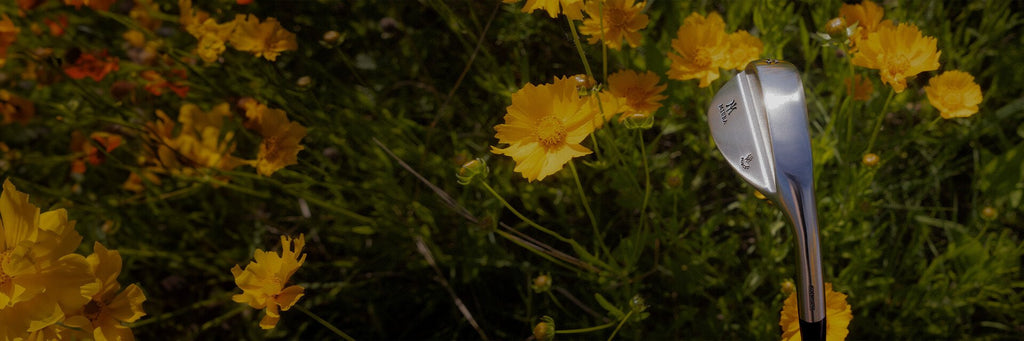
x=519 y=242
x=616 y=331
x=324 y=323
x=579 y=47
x=523 y=217
x=585 y=330
x=878 y=123
x=647 y=194
x=586 y=205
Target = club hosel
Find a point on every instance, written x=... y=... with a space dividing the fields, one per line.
x=796 y=197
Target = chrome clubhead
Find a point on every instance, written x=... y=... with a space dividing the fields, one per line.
x=759 y=122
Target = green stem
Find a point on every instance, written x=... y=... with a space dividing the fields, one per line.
x=579 y=47
x=585 y=330
x=523 y=217
x=586 y=203
x=647 y=194
x=519 y=242
x=878 y=123
x=616 y=331
x=324 y=323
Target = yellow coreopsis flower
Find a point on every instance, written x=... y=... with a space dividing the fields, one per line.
x=102 y=317
x=837 y=316
x=573 y=9
x=263 y=280
x=613 y=21
x=544 y=127
x=954 y=93
x=265 y=39
x=212 y=37
x=897 y=53
x=280 y=146
x=745 y=48
x=40 y=278
x=199 y=143
x=8 y=34
x=701 y=47
x=867 y=15
x=641 y=92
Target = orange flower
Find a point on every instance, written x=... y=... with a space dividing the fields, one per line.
x=57 y=27
x=702 y=47
x=16 y=109
x=26 y=5
x=613 y=21
x=859 y=87
x=641 y=92
x=897 y=53
x=8 y=34
x=156 y=83
x=90 y=153
x=867 y=15
x=92 y=66
x=954 y=93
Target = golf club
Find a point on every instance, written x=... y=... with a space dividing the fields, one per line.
x=759 y=122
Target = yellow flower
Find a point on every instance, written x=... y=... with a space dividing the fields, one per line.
x=954 y=93
x=867 y=15
x=701 y=47
x=199 y=143
x=264 y=39
x=837 y=316
x=262 y=281
x=103 y=316
x=544 y=127
x=573 y=9
x=613 y=21
x=15 y=109
x=897 y=53
x=280 y=146
x=859 y=87
x=745 y=48
x=8 y=34
x=641 y=92
x=212 y=37
x=40 y=278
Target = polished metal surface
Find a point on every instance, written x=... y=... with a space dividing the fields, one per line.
x=759 y=122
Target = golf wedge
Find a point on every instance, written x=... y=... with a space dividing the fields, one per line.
x=759 y=122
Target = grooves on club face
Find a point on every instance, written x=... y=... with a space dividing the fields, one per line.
x=759 y=122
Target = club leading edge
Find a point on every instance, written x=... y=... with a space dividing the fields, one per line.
x=759 y=122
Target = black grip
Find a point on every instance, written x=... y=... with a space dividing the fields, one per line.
x=812 y=331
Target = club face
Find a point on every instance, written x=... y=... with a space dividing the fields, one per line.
x=739 y=125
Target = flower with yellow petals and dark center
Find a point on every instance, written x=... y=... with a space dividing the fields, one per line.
x=897 y=53
x=551 y=132
x=613 y=21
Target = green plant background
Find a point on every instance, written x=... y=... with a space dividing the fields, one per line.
x=412 y=91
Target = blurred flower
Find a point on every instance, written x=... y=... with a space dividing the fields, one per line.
x=989 y=213
x=544 y=127
x=867 y=15
x=212 y=37
x=837 y=314
x=15 y=108
x=265 y=39
x=189 y=17
x=41 y=279
x=8 y=34
x=859 y=87
x=280 y=146
x=136 y=183
x=745 y=48
x=243 y=2
x=26 y=5
x=702 y=47
x=58 y=26
x=573 y=9
x=613 y=21
x=897 y=53
x=134 y=38
x=104 y=316
x=541 y=283
x=641 y=92
x=156 y=83
x=89 y=152
x=200 y=143
x=143 y=12
x=99 y=5
x=263 y=280
x=954 y=93
x=870 y=159
x=93 y=66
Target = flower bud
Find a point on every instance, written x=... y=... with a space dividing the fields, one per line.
x=836 y=26
x=870 y=159
x=989 y=213
x=788 y=287
x=545 y=329
x=303 y=81
x=637 y=304
x=331 y=37
x=471 y=170
x=541 y=283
